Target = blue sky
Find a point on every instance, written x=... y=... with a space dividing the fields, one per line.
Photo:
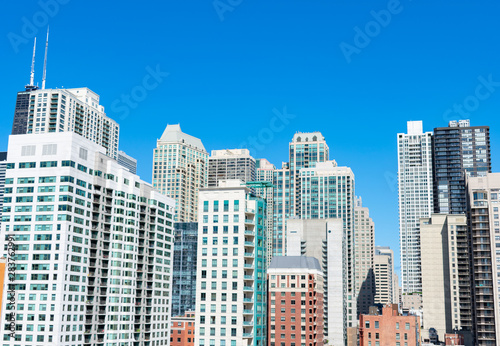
x=354 y=70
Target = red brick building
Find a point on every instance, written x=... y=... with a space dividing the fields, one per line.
x=182 y=330
x=295 y=301
x=389 y=329
x=454 y=340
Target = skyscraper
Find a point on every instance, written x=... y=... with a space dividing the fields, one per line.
x=483 y=203
x=327 y=191
x=231 y=283
x=458 y=150
x=364 y=234
x=60 y=110
x=179 y=170
x=92 y=246
x=265 y=172
x=184 y=272
x=305 y=150
x=415 y=199
x=230 y=164
x=21 y=111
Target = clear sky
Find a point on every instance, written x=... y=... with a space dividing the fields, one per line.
x=238 y=71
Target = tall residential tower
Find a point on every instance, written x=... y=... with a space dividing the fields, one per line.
x=93 y=246
x=179 y=170
x=459 y=150
x=415 y=199
x=231 y=281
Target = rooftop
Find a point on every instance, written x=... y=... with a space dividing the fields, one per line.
x=292 y=262
x=174 y=134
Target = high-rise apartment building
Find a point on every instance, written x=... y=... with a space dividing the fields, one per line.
x=383 y=267
x=325 y=240
x=230 y=164
x=305 y=150
x=483 y=214
x=364 y=234
x=295 y=296
x=60 y=110
x=458 y=150
x=446 y=294
x=179 y=170
x=93 y=246
x=231 y=282
x=415 y=199
x=184 y=270
x=127 y=161
x=265 y=172
x=327 y=191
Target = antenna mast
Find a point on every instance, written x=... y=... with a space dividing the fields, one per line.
x=32 y=74
x=45 y=60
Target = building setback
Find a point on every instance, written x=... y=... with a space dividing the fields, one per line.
x=483 y=203
x=459 y=150
x=415 y=199
x=231 y=283
x=93 y=246
x=184 y=272
x=295 y=296
x=179 y=170
x=389 y=328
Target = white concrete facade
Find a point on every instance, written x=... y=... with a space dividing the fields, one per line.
x=415 y=184
x=76 y=110
x=231 y=283
x=93 y=257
